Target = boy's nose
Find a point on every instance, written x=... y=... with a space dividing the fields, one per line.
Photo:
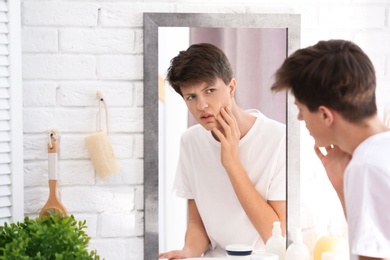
x=202 y=104
x=299 y=117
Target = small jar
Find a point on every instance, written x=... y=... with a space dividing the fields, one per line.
x=237 y=251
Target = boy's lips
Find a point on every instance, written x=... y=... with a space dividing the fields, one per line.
x=206 y=117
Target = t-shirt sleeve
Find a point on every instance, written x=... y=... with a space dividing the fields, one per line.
x=365 y=188
x=181 y=184
x=277 y=187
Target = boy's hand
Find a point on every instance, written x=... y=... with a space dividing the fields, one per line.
x=175 y=254
x=229 y=137
x=335 y=161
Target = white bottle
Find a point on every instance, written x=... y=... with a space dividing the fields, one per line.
x=297 y=250
x=277 y=243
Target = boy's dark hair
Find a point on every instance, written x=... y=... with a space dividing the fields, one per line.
x=336 y=74
x=202 y=62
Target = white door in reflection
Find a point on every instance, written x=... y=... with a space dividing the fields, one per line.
x=172 y=122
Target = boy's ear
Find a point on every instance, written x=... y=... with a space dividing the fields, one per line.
x=327 y=115
x=232 y=86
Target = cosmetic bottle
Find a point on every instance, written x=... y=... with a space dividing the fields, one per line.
x=277 y=243
x=330 y=243
x=297 y=250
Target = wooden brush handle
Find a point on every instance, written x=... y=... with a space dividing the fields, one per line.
x=53 y=190
x=52 y=159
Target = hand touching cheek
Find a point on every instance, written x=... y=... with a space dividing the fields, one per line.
x=229 y=136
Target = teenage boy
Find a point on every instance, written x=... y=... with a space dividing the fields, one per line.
x=334 y=87
x=232 y=164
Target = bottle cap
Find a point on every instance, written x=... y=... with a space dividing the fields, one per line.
x=276 y=231
x=297 y=235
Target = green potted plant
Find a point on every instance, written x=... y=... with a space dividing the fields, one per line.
x=50 y=237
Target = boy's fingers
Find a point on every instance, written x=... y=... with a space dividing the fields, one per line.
x=230 y=112
x=318 y=152
x=230 y=119
x=219 y=135
x=227 y=115
x=328 y=148
x=226 y=127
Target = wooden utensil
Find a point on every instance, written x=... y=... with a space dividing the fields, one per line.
x=53 y=204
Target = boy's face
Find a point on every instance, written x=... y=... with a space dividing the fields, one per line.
x=315 y=124
x=205 y=101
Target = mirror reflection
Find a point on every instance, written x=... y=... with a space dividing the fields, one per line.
x=254 y=55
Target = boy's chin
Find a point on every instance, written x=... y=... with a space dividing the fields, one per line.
x=209 y=128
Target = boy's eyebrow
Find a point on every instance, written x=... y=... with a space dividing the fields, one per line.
x=186 y=94
x=190 y=93
x=207 y=86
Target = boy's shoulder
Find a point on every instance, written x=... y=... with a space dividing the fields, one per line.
x=264 y=123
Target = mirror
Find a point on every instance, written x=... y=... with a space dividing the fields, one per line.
x=154 y=25
x=255 y=54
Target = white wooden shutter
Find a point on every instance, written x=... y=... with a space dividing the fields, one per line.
x=11 y=135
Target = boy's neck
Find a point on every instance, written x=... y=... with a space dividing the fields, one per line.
x=352 y=134
x=244 y=120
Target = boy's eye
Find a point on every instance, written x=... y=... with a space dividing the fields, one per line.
x=190 y=97
x=210 y=90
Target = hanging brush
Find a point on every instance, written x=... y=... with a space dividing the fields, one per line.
x=53 y=204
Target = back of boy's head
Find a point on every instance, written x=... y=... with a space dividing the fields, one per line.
x=336 y=74
x=202 y=62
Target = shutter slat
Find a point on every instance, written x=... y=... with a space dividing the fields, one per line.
x=4 y=137
x=3 y=49
x=5 y=158
x=4 y=115
x=4 y=72
x=5 y=169
x=5 y=201
x=3 y=28
x=5 y=190
x=3 y=7
x=3 y=39
x=4 y=126
x=5 y=148
x=5 y=180
x=4 y=104
x=5 y=212
x=4 y=61
x=4 y=83
x=2 y=220
x=4 y=93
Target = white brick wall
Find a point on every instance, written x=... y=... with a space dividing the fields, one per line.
x=49 y=13
x=72 y=48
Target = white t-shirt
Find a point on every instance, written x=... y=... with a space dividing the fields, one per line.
x=367 y=197
x=201 y=176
